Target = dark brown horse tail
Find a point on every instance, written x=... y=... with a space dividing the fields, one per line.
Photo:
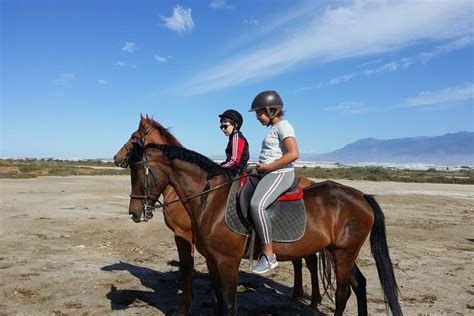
x=326 y=268
x=378 y=244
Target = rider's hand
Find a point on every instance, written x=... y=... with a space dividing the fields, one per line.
x=262 y=168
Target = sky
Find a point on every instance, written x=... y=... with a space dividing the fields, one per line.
x=77 y=74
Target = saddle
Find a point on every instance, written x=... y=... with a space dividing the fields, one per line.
x=287 y=213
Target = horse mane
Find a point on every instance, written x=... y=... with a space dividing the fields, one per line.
x=169 y=138
x=205 y=163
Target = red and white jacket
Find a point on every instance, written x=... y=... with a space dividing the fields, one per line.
x=237 y=152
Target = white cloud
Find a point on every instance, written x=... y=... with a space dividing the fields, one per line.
x=181 y=21
x=220 y=4
x=405 y=62
x=342 y=78
x=370 y=63
x=362 y=28
x=446 y=96
x=124 y=64
x=64 y=79
x=251 y=21
x=348 y=108
x=102 y=81
x=161 y=59
x=447 y=48
x=129 y=47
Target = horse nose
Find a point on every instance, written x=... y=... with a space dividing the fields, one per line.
x=116 y=161
x=123 y=163
x=134 y=218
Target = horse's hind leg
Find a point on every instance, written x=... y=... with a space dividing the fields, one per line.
x=358 y=285
x=298 y=279
x=312 y=264
x=344 y=265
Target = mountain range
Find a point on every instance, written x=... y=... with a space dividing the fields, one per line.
x=448 y=149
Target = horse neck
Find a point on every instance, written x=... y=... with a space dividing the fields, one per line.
x=190 y=181
x=159 y=135
x=155 y=138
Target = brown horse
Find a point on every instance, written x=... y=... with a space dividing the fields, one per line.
x=339 y=219
x=178 y=220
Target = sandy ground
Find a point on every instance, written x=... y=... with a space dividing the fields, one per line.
x=68 y=247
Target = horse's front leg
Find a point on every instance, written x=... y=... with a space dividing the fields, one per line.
x=224 y=278
x=298 y=279
x=186 y=264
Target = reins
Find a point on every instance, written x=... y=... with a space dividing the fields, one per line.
x=149 y=209
x=187 y=199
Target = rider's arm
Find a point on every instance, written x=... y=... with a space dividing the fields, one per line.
x=291 y=154
x=238 y=145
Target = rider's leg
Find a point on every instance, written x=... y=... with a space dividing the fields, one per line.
x=268 y=189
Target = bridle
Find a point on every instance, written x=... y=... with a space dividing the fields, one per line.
x=148 y=203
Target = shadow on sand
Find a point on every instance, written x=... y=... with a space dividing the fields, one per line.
x=257 y=295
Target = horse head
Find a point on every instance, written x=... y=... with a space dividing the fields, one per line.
x=150 y=175
x=149 y=132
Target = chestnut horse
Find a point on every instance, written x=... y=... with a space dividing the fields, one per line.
x=178 y=220
x=339 y=219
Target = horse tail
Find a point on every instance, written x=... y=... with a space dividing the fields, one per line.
x=326 y=268
x=378 y=244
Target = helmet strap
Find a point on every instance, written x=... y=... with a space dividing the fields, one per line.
x=275 y=113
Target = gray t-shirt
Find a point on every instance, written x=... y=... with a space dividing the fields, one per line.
x=272 y=145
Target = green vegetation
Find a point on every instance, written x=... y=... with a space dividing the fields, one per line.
x=30 y=168
x=374 y=173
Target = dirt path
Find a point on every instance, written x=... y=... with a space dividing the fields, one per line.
x=68 y=247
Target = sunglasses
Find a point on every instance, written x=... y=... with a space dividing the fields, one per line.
x=224 y=126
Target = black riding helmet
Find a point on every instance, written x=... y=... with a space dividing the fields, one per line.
x=268 y=100
x=234 y=116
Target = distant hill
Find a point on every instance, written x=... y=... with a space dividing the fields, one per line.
x=449 y=149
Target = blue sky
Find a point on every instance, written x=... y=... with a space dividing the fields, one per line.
x=75 y=75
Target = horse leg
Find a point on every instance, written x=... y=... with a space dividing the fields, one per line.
x=298 y=279
x=358 y=285
x=215 y=286
x=344 y=265
x=312 y=264
x=224 y=277
x=229 y=274
x=186 y=264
